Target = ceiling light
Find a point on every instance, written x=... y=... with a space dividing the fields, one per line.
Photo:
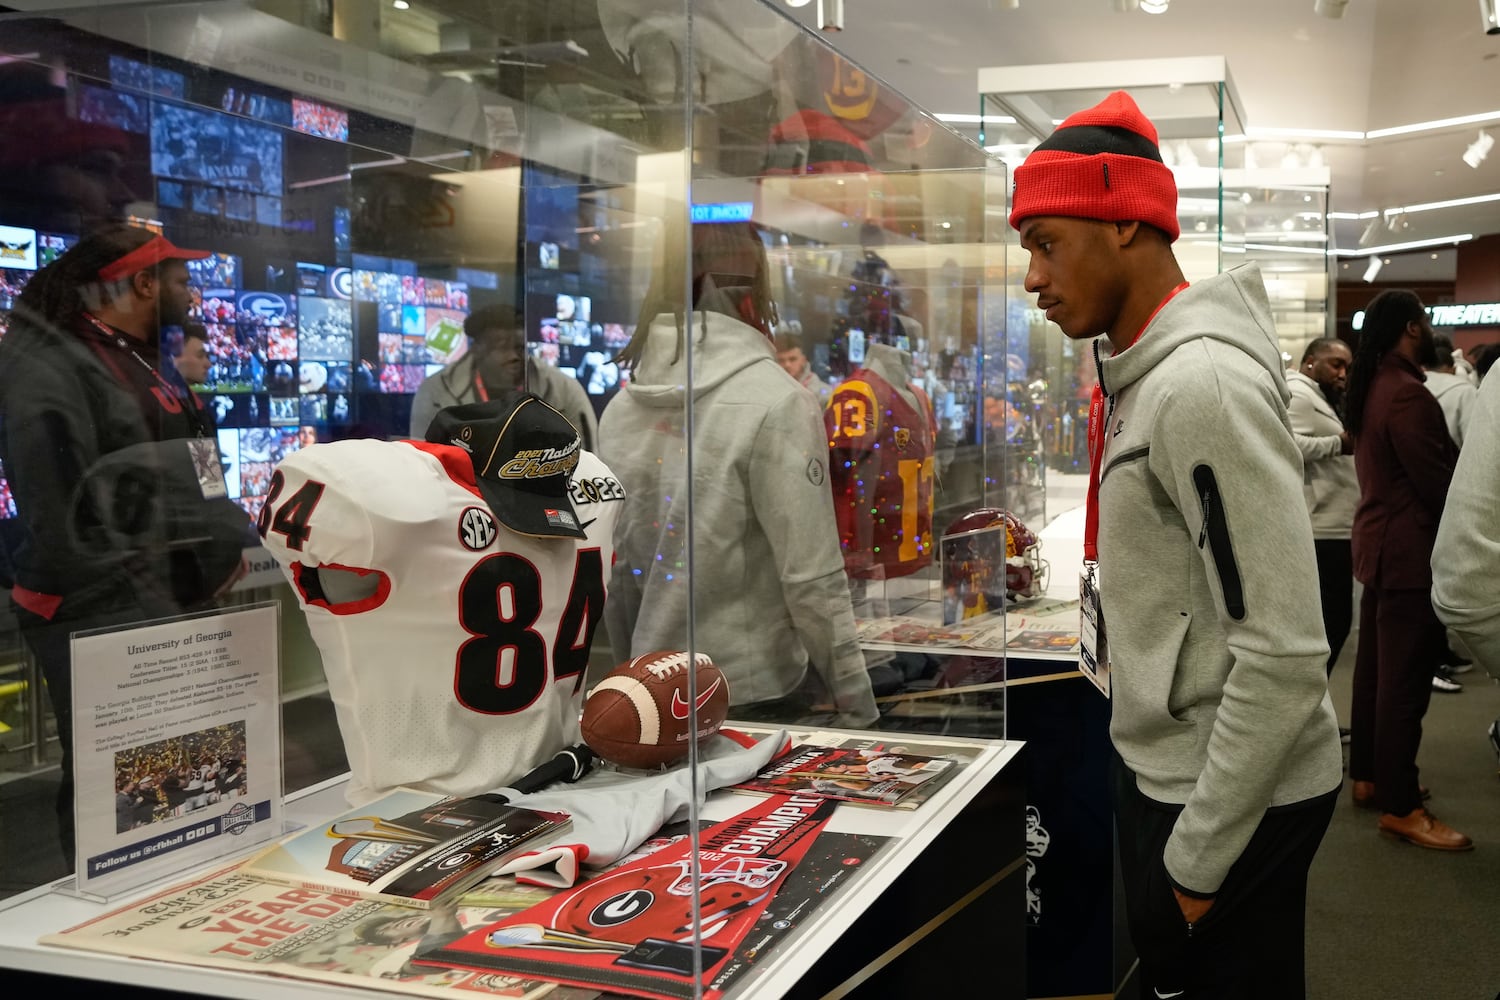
x=831 y=15
x=1155 y=6
x=798 y=3
x=1330 y=8
x=976 y=119
x=1410 y=245
x=1371 y=233
x=1372 y=270
x=400 y=4
x=1491 y=18
x=1126 y=6
x=1479 y=149
x=1434 y=125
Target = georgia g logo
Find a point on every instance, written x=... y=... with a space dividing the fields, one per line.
x=476 y=529
x=621 y=907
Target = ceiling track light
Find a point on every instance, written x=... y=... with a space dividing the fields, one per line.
x=798 y=3
x=1155 y=6
x=1479 y=149
x=1332 y=9
x=1371 y=233
x=1490 y=16
x=1372 y=270
x=830 y=15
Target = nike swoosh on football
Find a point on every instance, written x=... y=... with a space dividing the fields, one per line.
x=680 y=706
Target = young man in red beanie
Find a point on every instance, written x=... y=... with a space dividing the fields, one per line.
x=1199 y=555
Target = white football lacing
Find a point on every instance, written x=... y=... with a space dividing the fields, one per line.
x=676 y=663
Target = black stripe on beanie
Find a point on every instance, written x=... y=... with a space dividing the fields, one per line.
x=1087 y=140
x=787 y=156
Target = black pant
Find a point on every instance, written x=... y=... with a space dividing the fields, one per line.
x=1400 y=642
x=1249 y=946
x=1336 y=587
x=51 y=645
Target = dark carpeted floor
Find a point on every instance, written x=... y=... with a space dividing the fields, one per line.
x=1388 y=921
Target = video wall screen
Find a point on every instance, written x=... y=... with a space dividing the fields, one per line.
x=309 y=336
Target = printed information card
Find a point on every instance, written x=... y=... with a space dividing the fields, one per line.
x=177 y=725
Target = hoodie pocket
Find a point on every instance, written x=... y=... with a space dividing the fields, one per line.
x=1215 y=533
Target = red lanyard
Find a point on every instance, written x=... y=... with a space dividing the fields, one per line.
x=480 y=390
x=1097 y=429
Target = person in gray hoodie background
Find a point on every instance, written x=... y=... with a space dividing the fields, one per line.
x=1453 y=390
x=1228 y=760
x=1466 y=555
x=1328 y=479
x=766 y=593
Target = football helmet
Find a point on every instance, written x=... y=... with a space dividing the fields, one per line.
x=1025 y=569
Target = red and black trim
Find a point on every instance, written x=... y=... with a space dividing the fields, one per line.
x=39 y=604
x=309 y=586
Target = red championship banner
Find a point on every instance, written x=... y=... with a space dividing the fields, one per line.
x=631 y=930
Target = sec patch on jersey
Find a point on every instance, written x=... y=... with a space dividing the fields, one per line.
x=637 y=716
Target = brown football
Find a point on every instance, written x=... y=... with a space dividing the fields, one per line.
x=637 y=716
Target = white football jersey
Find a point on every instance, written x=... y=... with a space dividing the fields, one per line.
x=464 y=668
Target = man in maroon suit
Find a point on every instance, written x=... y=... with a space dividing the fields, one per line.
x=1404 y=460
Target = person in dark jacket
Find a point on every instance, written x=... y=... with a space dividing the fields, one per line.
x=1404 y=459
x=121 y=517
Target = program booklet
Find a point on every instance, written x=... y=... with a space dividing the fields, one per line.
x=408 y=847
x=866 y=775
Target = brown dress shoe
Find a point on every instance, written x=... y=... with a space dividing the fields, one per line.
x=1422 y=828
x=1363 y=794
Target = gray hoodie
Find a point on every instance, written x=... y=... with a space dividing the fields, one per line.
x=1466 y=557
x=1208 y=578
x=769 y=595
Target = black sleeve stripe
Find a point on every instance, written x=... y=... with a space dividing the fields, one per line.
x=1216 y=532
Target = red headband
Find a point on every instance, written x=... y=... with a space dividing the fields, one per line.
x=148 y=254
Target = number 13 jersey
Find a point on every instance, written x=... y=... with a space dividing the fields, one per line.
x=880 y=468
x=459 y=665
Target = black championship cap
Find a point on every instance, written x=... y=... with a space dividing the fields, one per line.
x=524 y=453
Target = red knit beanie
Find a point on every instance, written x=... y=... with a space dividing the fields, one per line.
x=1101 y=163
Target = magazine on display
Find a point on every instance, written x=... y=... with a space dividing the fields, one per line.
x=230 y=920
x=631 y=928
x=867 y=776
x=408 y=847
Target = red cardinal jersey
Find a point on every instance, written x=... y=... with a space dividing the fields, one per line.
x=880 y=465
x=459 y=666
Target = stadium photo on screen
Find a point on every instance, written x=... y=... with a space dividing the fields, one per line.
x=325 y=329
x=102 y=106
x=445 y=335
x=217 y=270
x=236 y=355
x=150 y=79
x=214 y=148
x=320 y=120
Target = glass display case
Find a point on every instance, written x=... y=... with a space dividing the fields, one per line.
x=1240 y=199
x=1288 y=234
x=1197 y=113
x=766 y=292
